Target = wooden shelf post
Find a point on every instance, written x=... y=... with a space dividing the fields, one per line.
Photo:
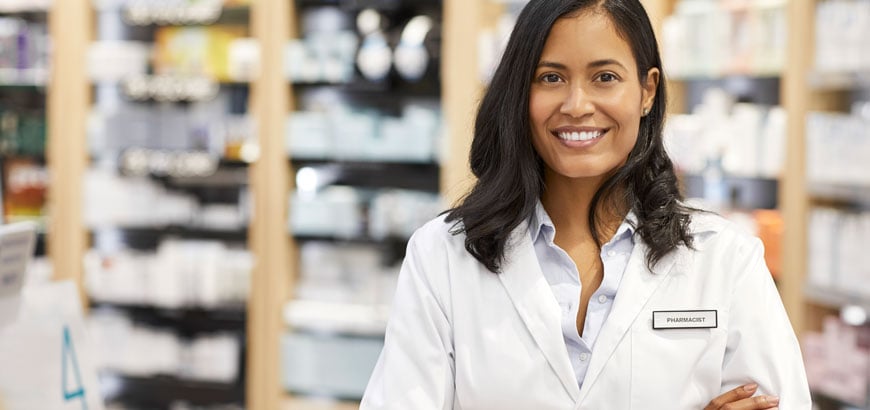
x=68 y=105
x=270 y=178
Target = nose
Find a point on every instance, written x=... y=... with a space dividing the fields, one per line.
x=577 y=103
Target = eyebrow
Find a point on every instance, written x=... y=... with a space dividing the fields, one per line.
x=593 y=64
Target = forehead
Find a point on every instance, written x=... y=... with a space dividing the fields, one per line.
x=585 y=37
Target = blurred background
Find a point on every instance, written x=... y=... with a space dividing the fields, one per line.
x=231 y=183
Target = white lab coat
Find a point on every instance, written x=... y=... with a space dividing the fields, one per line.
x=462 y=337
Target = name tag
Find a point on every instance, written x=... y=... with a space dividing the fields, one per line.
x=685 y=319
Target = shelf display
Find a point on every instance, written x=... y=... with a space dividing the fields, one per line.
x=365 y=148
x=714 y=38
x=167 y=199
x=838 y=362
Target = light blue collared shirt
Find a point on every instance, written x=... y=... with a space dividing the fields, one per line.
x=564 y=279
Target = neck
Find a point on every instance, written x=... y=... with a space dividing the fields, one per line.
x=568 y=203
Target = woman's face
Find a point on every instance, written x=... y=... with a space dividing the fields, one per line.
x=586 y=99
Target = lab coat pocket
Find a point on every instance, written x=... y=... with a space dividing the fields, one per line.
x=673 y=368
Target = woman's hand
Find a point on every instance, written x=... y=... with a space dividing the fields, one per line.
x=741 y=399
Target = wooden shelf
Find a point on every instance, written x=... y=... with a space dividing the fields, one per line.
x=421 y=176
x=836 y=298
x=853 y=193
x=838 y=81
x=184 y=321
x=163 y=391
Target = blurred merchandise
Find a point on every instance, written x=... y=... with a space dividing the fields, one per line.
x=25 y=189
x=18 y=6
x=176 y=12
x=120 y=341
x=321 y=57
x=838 y=149
x=769 y=228
x=24 y=51
x=838 y=258
x=22 y=132
x=196 y=51
x=345 y=212
x=749 y=139
x=201 y=126
x=334 y=211
x=344 y=274
x=330 y=365
x=110 y=61
x=344 y=134
x=838 y=361
x=711 y=38
x=182 y=273
x=492 y=40
x=398 y=213
x=842 y=30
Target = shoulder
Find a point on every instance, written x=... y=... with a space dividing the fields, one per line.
x=438 y=236
x=706 y=226
x=715 y=235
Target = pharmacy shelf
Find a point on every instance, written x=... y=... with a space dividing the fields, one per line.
x=186 y=322
x=162 y=391
x=836 y=298
x=833 y=81
x=745 y=192
x=147 y=238
x=26 y=11
x=392 y=248
x=827 y=401
x=856 y=193
x=760 y=75
x=381 y=5
x=23 y=78
x=345 y=319
x=402 y=175
x=390 y=88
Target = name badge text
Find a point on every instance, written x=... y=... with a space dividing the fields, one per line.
x=685 y=319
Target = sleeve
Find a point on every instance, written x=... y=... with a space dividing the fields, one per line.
x=416 y=367
x=762 y=346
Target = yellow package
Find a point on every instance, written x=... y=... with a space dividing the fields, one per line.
x=195 y=51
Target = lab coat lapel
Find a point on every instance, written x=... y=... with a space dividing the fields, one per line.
x=536 y=305
x=637 y=286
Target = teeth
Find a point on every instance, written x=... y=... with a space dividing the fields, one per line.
x=579 y=136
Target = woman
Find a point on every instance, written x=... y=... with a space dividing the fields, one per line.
x=572 y=276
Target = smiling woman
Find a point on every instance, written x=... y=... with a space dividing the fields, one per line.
x=542 y=288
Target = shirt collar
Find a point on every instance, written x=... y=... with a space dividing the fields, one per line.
x=540 y=219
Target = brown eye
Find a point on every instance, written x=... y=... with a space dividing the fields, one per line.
x=550 y=78
x=607 y=77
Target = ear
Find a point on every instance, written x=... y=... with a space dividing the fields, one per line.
x=649 y=85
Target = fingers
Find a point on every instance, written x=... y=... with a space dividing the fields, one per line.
x=754 y=403
x=739 y=393
x=741 y=399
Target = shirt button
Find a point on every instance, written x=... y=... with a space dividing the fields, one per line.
x=611 y=253
x=602 y=299
x=584 y=357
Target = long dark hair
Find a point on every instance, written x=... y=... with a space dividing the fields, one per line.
x=510 y=173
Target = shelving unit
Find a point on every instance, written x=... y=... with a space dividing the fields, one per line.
x=345 y=158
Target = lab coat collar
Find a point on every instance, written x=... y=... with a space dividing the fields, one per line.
x=540 y=219
x=534 y=301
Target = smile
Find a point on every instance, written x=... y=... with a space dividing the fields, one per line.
x=578 y=135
